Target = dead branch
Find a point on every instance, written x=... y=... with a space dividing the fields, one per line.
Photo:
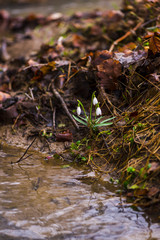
x=132 y=31
x=22 y=157
x=64 y=106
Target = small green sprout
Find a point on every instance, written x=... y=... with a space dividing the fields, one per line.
x=131 y=169
x=75 y=146
x=84 y=159
x=45 y=134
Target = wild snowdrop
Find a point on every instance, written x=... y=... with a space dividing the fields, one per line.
x=88 y=121
x=79 y=110
x=98 y=111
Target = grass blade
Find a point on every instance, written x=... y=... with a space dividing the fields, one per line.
x=79 y=120
x=106 y=120
x=103 y=124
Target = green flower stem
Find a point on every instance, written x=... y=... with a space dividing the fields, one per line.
x=90 y=115
x=79 y=102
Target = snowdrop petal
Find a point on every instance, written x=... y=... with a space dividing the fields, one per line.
x=78 y=110
x=98 y=111
x=95 y=101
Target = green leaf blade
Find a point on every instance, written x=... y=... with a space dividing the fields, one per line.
x=103 y=124
x=106 y=120
x=79 y=120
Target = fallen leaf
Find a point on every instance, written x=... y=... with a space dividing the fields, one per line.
x=4 y=56
x=154 y=167
x=153 y=191
x=55 y=16
x=113 y=15
x=78 y=40
x=108 y=69
x=154 y=44
x=140 y=192
x=131 y=57
x=63 y=137
x=108 y=72
x=8 y=115
x=154 y=77
x=127 y=47
x=100 y=56
x=4 y=96
x=133 y=114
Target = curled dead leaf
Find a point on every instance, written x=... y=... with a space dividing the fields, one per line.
x=153 y=191
x=100 y=56
x=64 y=136
x=8 y=115
x=108 y=69
x=4 y=96
x=154 y=77
x=140 y=192
x=108 y=72
x=78 y=40
x=154 y=167
x=154 y=44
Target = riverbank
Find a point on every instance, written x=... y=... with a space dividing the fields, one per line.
x=47 y=63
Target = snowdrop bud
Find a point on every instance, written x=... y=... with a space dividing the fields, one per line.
x=78 y=110
x=98 y=111
x=95 y=101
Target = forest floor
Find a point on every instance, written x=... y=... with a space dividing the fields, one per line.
x=48 y=63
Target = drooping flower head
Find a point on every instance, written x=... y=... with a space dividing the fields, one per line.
x=78 y=110
x=98 y=111
x=95 y=101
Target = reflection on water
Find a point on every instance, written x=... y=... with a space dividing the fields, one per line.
x=64 y=6
x=43 y=200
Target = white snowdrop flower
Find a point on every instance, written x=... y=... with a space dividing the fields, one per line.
x=98 y=111
x=78 y=110
x=95 y=101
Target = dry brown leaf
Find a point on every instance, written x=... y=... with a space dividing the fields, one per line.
x=100 y=56
x=108 y=72
x=140 y=192
x=78 y=40
x=4 y=96
x=154 y=167
x=108 y=69
x=154 y=77
x=154 y=44
x=153 y=191
x=127 y=47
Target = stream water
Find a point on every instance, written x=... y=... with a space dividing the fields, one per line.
x=64 y=6
x=45 y=199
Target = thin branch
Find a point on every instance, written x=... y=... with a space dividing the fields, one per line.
x=132 y=31
x=54 y=118
x=22 y=157
x=64 y=106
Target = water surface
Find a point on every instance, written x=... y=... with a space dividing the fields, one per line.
x=64 y=6
x=42 y=199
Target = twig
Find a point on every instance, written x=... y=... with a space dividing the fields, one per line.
x=22 y=157
x=148 y=80
x=58 y=96
x=69 y=77
x=148 y=22
x=105 y=97
x=53 y=114
x=132 y=31
x=54 y=118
